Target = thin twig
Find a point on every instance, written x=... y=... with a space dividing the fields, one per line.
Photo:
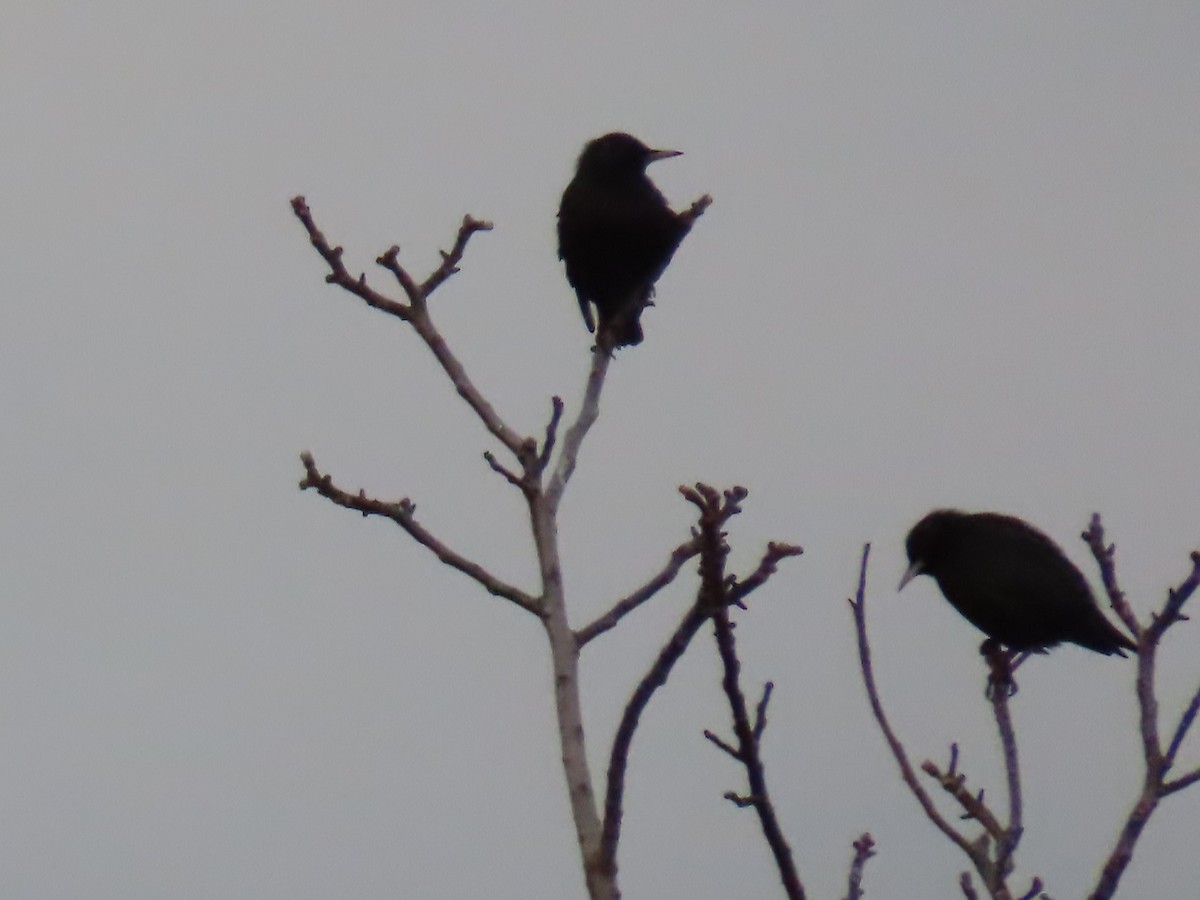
x=618 y=759
x=416 y=313
x=655 y=678
x=498 y=467
x=859 y=606
x=767 y=566
x=1105 y=556
x=1001 y=677
x=721 y=745
x=864 y=849
x=589 y=410
x=626 y=605
x=716 y=594
x=1181 y=730
x=338 y=273
x=556 y=411
x=955 y=784
x=1154 y=784
x=450 y=260
x=968 y=888
x=1171 y=787
x=760 y=711
x=402 y=512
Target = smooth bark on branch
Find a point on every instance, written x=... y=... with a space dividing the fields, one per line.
x=550 y=604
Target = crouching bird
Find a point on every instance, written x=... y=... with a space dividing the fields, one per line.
x=1010 y=581
x=616 y=235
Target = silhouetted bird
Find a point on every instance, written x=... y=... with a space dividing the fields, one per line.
x=1010 y=581
x=616 y=234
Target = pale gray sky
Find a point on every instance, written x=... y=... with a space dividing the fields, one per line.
x=952 y=260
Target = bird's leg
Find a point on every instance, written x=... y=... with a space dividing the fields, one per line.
x=1002 y=662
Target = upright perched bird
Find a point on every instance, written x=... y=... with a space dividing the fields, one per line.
x=616 y=234
x=1010 y=581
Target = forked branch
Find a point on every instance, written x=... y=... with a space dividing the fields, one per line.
x=416 y=313
x=403 y=513
x=1155 y=784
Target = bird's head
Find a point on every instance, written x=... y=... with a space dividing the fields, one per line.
x=619 y=155
x=928 y=541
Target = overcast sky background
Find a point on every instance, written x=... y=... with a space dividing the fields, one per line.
x=952 y=260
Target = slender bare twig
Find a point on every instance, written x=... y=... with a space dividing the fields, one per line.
x=402 y=512
x=1155 y=785
x=415 y=312
x=864 y=849
x=767 y=566
x=722 y=746
x=1181 y=730
x=450 y=260
x=859 y=605
x=655 y=678
x=748 y=754
x=718 y=509
x=339 y=274
x=556 y=411
x=954 y=783
x=716 y=594
x=589 y=410
x=509 y=476
x=626 y=605
x=992 y=870
x=760 y=711
x=968 y=887
x=1178 y=784
x=618 y=759
x=1000 y=661
x=1105 y=556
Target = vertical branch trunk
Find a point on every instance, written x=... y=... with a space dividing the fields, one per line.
x=600 y=875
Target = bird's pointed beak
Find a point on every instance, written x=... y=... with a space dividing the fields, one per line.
x=913 y=571
x=656 y=155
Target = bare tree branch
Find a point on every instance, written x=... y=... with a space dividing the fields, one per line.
x=954 y=783
x=626 y=605
x=1154 y=784
x=859 y=606
x=450 y=260
x=714 y=512
x=1001 y=663
x=1105 y=555
x=556 y=411
x=415 y=312
x=509 y=476
x=1181 y=730
x=655 y=678
x=716 y=594
x=402 y=512
x=589 y=410
x=968 y=888
x=760 y=711
x=1171 y=787
x=721 y=745
x=993 y=871
x=618 y=759
x=776 y=553
x=338 y=274
x=864 y=849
